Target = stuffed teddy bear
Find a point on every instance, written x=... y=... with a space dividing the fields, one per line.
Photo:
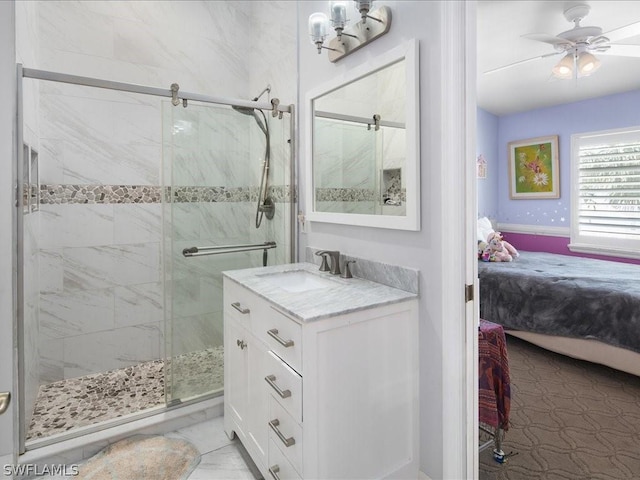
x=482 y=246
x=499 y=250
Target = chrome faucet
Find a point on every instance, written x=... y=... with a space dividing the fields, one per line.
x=324 y=266
x=335 y=260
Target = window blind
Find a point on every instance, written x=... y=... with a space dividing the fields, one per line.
x=609 y=190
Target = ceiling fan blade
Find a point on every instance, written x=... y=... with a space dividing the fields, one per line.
x=622 y=51
x=539 y=57
x=623 y=33
x=543 y=37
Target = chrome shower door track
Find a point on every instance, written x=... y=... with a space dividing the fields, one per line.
x=145 y=90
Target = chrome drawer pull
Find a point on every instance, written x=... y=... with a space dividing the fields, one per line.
x=271 y=380
x=274 y=334
x=274 y=472
x=287 y=441
x=237 y=306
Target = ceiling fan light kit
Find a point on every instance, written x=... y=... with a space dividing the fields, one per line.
x=582 y=63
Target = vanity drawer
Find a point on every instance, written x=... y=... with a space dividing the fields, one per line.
x=285 y=385
x=239 y=303
x=285 y=432
x=282 y=334
x=279 y=467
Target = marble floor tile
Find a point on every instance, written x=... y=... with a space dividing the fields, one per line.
x=227 y=463
x=206 y=436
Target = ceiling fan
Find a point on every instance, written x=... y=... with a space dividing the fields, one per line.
x=578 y=44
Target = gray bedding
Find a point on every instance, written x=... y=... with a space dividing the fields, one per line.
x=566 y=296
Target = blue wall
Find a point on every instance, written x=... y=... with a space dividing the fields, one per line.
x=604 y=113
x=487 y=145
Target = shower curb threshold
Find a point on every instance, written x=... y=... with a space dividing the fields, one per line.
x=159 y=423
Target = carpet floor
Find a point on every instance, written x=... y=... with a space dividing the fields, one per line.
x=570 y=419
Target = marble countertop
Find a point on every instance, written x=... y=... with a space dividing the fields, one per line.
x=332 y=296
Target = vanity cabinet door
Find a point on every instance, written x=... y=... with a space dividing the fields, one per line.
x=257 y=432
x=236 y=377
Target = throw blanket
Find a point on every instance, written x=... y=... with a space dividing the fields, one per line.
x=495 y=388
x=566 y=296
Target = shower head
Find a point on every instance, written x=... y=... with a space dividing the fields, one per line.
x=252 y=111
x=249 y=110
x=244 y=110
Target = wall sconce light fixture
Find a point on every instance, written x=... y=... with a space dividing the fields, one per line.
x=348 y=39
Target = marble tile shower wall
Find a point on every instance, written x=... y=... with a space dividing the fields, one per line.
x=272 y=58
x=101 y=289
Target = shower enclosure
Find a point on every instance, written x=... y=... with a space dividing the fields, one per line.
x=135 y=200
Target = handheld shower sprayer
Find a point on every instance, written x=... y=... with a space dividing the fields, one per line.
x=265 y=203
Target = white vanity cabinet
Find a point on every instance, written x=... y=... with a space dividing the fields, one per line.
x=334 y=397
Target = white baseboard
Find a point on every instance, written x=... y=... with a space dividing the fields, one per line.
x=423 y=476
x=535 y=229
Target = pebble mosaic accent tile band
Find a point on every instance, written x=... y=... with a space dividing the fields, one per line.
x=78 y=402
x=345 y=195
x=212 y=194
x=58 y=194
x=83 y=194
x=356 y=194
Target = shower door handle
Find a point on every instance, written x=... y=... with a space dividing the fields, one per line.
x=5 y=400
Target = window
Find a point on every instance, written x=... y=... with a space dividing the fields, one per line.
x=605 y=198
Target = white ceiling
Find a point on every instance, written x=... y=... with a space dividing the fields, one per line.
x=501 y=25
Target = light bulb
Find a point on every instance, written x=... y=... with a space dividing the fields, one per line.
x=318 y=29
x=338 y=14
x=587 y=64
x=564 y=68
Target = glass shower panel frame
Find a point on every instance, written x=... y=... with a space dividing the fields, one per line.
x=212 y=162
x=136 y=235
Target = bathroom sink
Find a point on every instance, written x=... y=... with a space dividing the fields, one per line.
x=296 y=281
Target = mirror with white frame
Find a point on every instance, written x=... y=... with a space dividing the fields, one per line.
x=363 y=145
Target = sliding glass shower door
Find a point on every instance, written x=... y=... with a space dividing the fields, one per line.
x=212 y=165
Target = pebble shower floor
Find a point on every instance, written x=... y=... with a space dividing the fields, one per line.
x=82 y=401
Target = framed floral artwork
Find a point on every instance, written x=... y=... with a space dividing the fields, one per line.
x=533 y=168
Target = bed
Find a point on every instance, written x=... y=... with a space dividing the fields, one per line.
x=581 y=307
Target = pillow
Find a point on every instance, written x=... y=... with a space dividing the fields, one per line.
x=484 y=229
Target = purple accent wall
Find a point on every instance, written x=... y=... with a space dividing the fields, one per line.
x=544 y=243
x=604 y=113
